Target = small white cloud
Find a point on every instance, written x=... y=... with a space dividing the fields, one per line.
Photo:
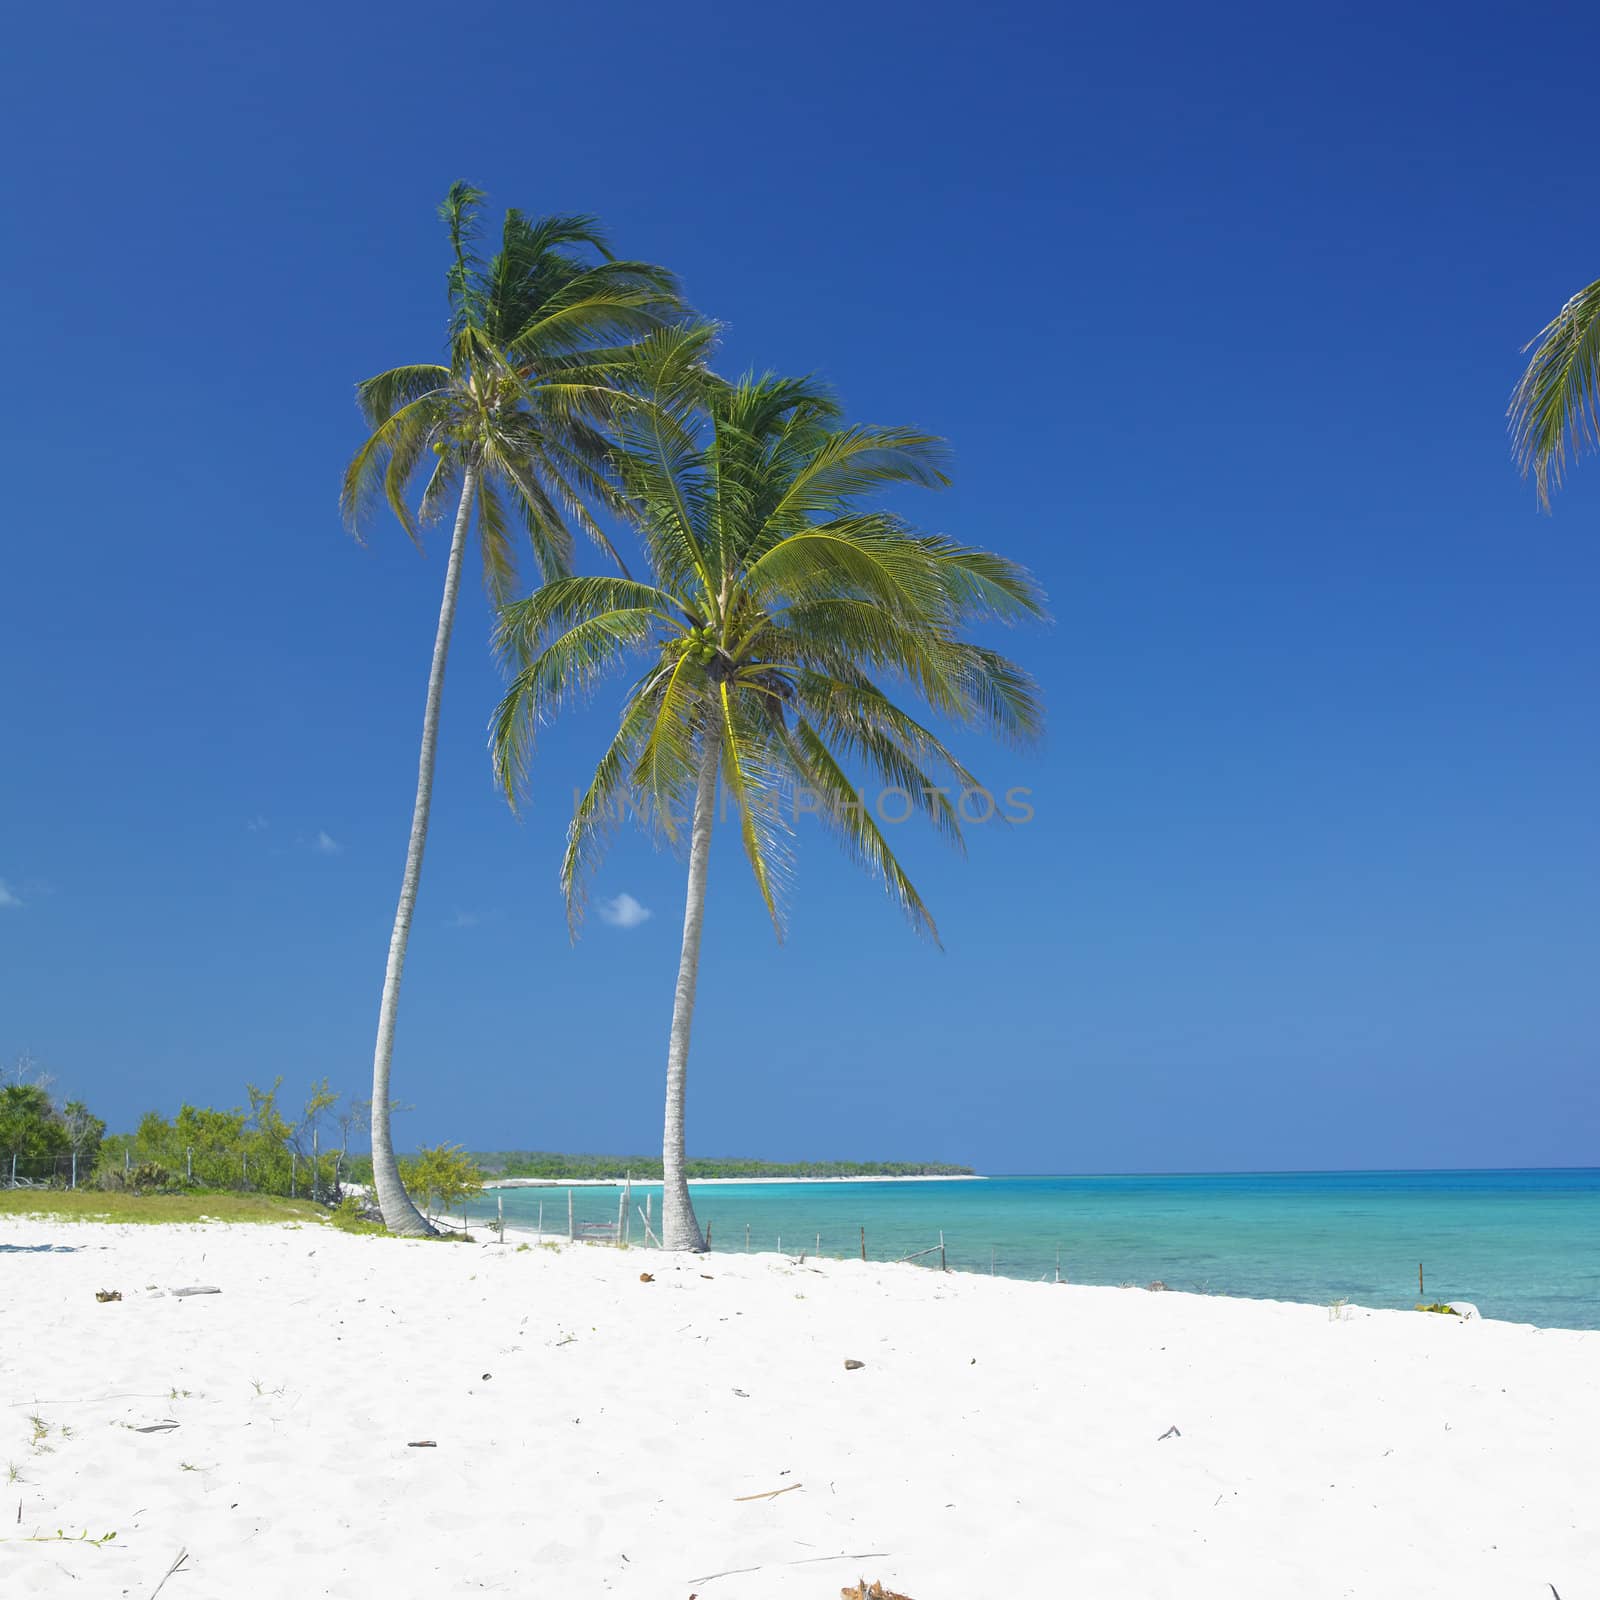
x=7 y=897
x=624 y=912
x=258 y=824
x=325 y=844
x=464 y=919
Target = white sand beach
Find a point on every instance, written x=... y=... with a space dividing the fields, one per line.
x=592 y=1434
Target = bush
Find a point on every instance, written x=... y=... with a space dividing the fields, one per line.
x=441 y=1176
x=351 y=1215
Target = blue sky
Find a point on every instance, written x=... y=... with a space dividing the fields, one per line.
x=1219 y=310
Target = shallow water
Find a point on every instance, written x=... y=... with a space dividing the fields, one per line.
x=1524 y=1246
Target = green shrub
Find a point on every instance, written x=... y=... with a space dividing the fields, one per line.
x=442 y=1177
x=352 y=1216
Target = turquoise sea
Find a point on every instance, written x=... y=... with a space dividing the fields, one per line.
x=1524 y=1246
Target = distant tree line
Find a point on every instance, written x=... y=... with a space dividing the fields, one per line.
x=552 y=1164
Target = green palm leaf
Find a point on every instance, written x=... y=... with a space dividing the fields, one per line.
x=1556 y=406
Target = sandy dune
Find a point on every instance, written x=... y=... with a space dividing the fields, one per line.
x=595 y=1435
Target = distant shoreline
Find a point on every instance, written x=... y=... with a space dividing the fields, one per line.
x=702 y=1183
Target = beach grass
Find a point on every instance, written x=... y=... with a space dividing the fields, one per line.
x=80 y=1205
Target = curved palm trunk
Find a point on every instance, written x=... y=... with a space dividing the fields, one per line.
x=399 y=1214
x=679 y=1229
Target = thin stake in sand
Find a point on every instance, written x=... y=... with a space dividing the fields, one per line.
x=770 y=1494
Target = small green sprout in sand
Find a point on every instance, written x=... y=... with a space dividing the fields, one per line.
x=1440 y=1307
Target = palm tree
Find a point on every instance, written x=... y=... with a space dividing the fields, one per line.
x=540 y=341
x=1556 y=406
x=777 y=602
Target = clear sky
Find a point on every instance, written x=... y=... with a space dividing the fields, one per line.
x=1219 y=307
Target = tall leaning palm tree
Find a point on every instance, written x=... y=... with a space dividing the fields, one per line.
x=1556 y=406
x=778 y=603
x=512 y=427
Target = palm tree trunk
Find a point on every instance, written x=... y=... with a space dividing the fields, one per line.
x=679 y=1229
x=399 y=1214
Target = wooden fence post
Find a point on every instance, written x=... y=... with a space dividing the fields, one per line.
x=1422 y=1294
x=500 y=1206
x=708 y=1238
x=863 y=1241
x=942 y=1266
x=622 y=1211
x=569 y=1217
x=541 y=1222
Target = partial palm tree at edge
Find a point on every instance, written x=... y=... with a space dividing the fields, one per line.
x=539 y=350
x=1556 y=406
x=777 y=602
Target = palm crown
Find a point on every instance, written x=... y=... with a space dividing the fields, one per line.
x=777 y=605
x=541 y=346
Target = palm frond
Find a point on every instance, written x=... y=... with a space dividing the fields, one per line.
x=370 y=474
x=1556 y=406
x=566 y=669
x=753 y=781
x=380 y=397
x=597 y=812
x=494 y=543
x=852 y=823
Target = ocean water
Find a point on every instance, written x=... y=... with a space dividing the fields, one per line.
x=1524 y=1246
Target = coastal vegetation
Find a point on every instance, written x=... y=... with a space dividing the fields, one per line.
x=511 y=429
x=40 y=1140
x=779 y=605
x=256 y=1147
x=444 y=1176
x=88 y=1205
